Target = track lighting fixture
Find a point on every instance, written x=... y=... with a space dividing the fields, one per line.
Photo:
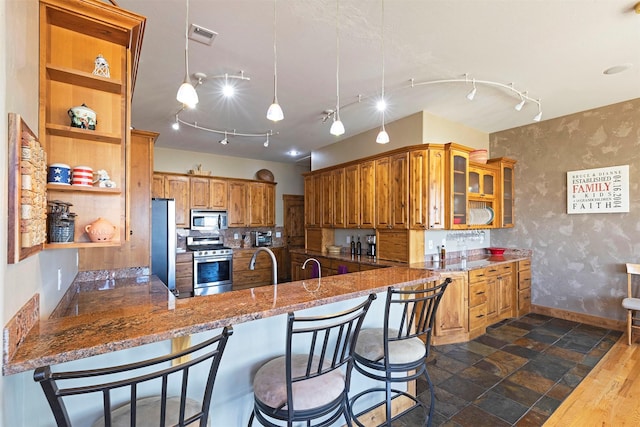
x=275 y=113
x=224 y=141
x=187 y=93
x=472 y=93
x=266 y=143
x=383 y=136
x=225 y=133
x=176 y=124
x=519 y=105
x=538 y=116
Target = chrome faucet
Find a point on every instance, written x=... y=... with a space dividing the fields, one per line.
x=317 y=262
x=274 y=262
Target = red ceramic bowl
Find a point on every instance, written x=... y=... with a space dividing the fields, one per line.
x=497 y=251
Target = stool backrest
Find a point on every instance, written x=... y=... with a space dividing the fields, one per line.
x=328 y=343
x=418 y=310
x=632 y=269
x=102 y=381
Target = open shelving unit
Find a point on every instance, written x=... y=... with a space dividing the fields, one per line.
x=72 y=34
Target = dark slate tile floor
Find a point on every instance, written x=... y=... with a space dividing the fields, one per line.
x=516 y=374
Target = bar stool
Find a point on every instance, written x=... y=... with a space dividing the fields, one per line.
x=311 y=381
x=154 y=411
x=397 y=353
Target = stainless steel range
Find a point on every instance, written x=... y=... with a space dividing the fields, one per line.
x=212 y=265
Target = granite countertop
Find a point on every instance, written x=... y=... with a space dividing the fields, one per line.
x=108 y=315
x=362 y=259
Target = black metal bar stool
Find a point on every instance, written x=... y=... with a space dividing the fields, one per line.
x=397 y=353
x=311 y=381
x=156 y=410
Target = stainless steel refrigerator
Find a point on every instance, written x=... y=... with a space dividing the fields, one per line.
x=163 y=241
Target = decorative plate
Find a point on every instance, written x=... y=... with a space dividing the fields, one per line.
x=265 y=175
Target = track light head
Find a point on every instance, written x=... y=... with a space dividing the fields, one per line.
x=538 y=116
x=176 y=125
x=266 y=143
x=519 y=105
x=472 y=93
x=337 y=128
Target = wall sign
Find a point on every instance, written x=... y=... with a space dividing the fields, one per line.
x=603 y=190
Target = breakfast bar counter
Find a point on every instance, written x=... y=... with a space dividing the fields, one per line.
x=105 y=316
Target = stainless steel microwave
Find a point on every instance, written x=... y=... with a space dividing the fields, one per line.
x=208 y=220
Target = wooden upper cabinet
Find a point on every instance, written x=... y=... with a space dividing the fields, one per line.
x=419 y=189
x=482 y=182
x=437 y=178
x=237 y=204
x=257 y=202
x=311 y=201
x=339 y=198
x=392 y=191
x=457 y=186
x=177 y=187
x=157 y=186
x=200 y=192
x=65 y=81
x=270 y=205
x=218 y=195
x=368 y=194
x=352 y=196
x=326 y=194
x=382 y=193
x=505 y=207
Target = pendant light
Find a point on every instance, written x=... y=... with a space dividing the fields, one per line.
x=337 y=128
x=275 y=113
x=187 y=93
x=383 y=136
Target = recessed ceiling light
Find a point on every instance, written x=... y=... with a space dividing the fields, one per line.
x=616 y=69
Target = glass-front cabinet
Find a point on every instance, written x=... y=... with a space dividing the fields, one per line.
x=506 y=191
x=457 y=185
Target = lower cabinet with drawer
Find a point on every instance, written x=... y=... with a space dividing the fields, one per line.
x=523 y=300
x=261 y=275
x=184 y=274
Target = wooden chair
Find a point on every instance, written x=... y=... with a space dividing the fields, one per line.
x=155 y=410
x=311 y=381
x=631 y=303
x=397 y=352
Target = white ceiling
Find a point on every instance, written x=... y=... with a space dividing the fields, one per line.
x=556 y=50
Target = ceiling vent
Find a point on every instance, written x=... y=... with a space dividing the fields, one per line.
x=201 y=34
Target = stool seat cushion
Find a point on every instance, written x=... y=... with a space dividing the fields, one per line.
x=270 y=384
x=631 y=303
x=148 y=412
x=370 y=345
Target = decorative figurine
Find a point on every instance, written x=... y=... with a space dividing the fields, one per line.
x=103 y=180
x=102 y=67
x=83 y=117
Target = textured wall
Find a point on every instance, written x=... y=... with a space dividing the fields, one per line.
x=578 y=259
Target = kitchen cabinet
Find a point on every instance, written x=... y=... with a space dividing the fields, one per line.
x=65 y=81
x=482 y=182
x=426 y=188
x=184 y=274
x=452 y=315
x=456 y=186
x=237 y=204
x=328 y=266
x=200 y=192
x=352 y=196
x=251 y=203
x=177 y=187
x=218 y=194
x=243 y=278
x=367 y=194
x=135 y=252
x=392 y=191
x=506 y=290
x=523 y=300
x=477 y=302
x=505 y=194
x=400 y=245
x=312 y=200
x=326 y=199
x=157 y=186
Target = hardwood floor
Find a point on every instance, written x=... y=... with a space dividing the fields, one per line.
x=609 y=396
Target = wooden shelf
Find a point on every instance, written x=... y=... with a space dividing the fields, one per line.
x=81 y=78
x=81 y=189
x=81 y=245
x=78 y=133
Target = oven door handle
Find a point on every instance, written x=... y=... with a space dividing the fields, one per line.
x=212 y=259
